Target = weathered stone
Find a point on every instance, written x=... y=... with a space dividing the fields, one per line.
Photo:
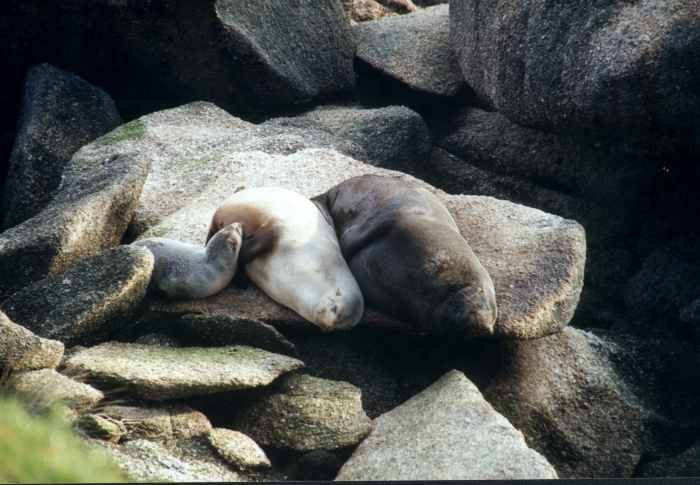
x=363 y=10
x=238 y=449
x=157 y=339
x=59 y=114
x=586 y=69
x=144 y=460
x=21 y=350
x=690 y=316
x=447 y=432
x=535 y=259
x=394 y=137
x=89 y=214
x=221 y=330
x=45 y=388
x=687 y=464
x=316 y=465
x=244 y=56
x=413 y=49
x=399 y=6
x=187 y=147
x=306 y=413
x=87 y=301
x=166 y=423
x=159 y=373
x=595 y=405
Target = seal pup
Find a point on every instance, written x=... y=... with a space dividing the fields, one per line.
x=189 y=271
x=407 y=255
x=292 y=254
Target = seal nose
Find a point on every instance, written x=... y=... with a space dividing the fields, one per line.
x=327 y=315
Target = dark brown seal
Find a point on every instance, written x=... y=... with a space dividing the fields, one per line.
x=407 y=255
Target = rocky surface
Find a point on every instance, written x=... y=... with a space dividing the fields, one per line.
x=159 y=373
x=43 y=388
x=587 y=71
x=687 y=464
x=413 y=49
x=452 y=427
x=21 y=350
x=59 y=114
x=86 y=302
x=238 y=449
x=89 y=214
x=593 y=406
x=306 y=413
x=394 y=137
x=117 y=423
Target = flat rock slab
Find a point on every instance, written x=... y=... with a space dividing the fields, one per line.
x=238 y=449
x=89 y=214
x=159 y=373
x=306 y=413
x=21 y=350
x=59 y=114
x=84 y=303
x=535 y=259
x=413 y=49
x=46 y=387
x=447 y=432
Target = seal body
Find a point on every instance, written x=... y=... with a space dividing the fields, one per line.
x=292 y=254
x=189 y=271
x=407 y=255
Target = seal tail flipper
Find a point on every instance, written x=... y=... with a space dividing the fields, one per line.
x=320 y=201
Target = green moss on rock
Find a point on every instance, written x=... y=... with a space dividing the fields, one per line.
x=130 y=131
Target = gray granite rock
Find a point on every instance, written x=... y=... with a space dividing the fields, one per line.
x=89 y=214
x=535 y=259
x=394 y=137
x=447 y=432
x=413 y=49
x=306 y=413
x=363 y=10
x=21 y=350
x=44 y=388
x=159 y=373
x=59 y=114
x=238 y=449
x=87 y=301
x=159 y=423
x=594 y=405
x=586 y=69
x=687 y=464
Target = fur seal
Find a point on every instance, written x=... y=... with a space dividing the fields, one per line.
x=407 y=255
x=189 y=271
x=292 y=254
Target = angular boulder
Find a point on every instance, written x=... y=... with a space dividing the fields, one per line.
x=159 y=373
x=21 y=350
x=59 y=114
x=84 y=303
x=44 y=388
x=306 y=413
x=447 y=432
x=395 y=137
x=594 y=405
x=586 y=70
x=238 y=449
x=89 y=214
x=413 y=49
x=535 y=259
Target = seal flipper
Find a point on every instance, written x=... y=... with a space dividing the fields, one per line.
x=361 y=235
x=263 y=240
x=320 y=201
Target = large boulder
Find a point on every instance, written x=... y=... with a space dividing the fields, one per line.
x=447 y=432
x=89 y=214
x=159 y=373
x=604 y=70
x=87 y=301
x=244 y=56
x=413 y=49
x=59 y=114
x=44 y=388
x=595 y=405
x=306 y=413
x=21 y=350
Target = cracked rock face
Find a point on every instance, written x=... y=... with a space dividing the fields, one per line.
x=451 y=427
x=158 y=373
x=84 y=303
x=306 y=413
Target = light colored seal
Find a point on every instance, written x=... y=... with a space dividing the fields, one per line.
x=189 y=271
x=407 y=255
x=292 y=254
